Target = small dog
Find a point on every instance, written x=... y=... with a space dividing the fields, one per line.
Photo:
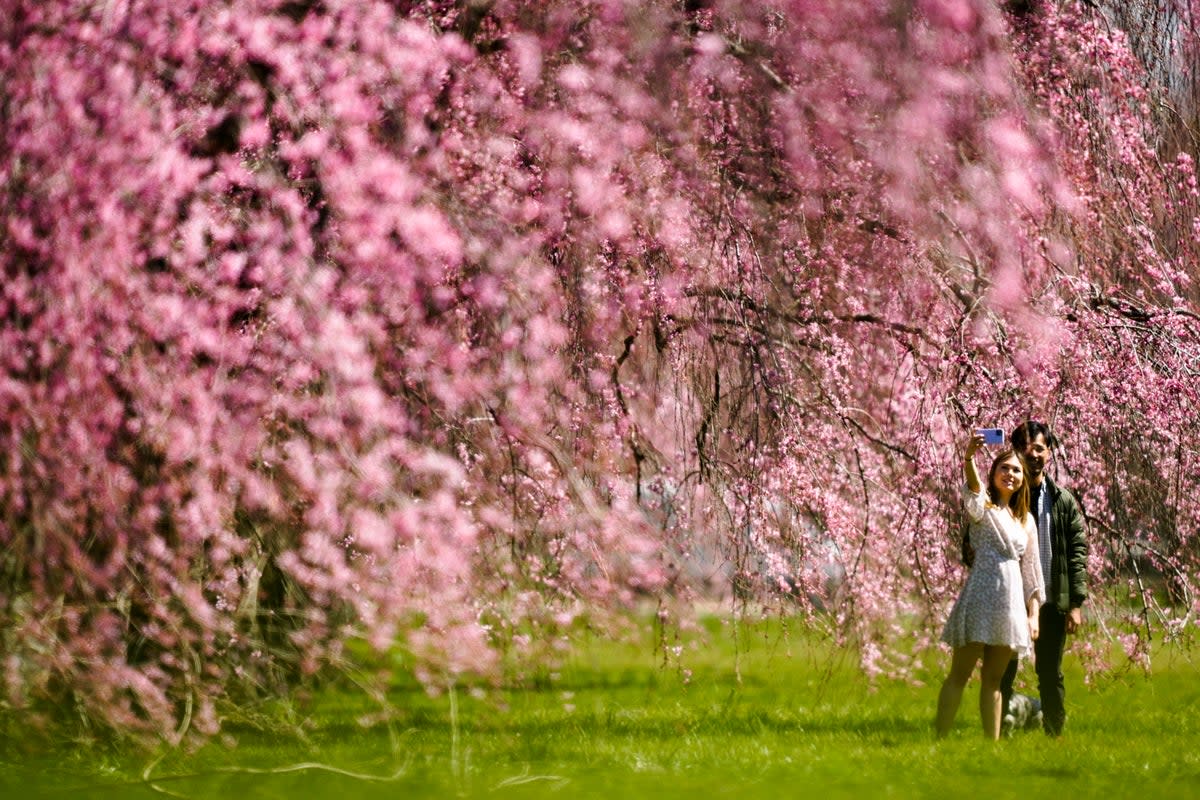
x=1024 y=714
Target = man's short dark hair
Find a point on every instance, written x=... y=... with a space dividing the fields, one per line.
x=1027 y=431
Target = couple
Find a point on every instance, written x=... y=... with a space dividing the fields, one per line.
x=1027 y=583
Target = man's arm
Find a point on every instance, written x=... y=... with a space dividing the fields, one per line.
x=1077 y=553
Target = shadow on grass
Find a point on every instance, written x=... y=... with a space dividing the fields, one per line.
x=644 y=723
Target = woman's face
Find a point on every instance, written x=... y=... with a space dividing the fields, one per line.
x=1008 y=475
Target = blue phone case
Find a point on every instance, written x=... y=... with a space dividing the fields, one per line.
x=992 y=435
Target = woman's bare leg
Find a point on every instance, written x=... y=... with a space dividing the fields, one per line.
x=995 y=661
x=962 y=664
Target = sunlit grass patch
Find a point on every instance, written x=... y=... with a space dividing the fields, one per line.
x=793 y=717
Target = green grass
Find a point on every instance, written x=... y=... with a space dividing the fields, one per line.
x=612 y=722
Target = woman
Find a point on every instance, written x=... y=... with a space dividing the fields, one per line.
x=997 y=611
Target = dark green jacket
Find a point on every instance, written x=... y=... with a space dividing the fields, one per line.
x=1068 y=566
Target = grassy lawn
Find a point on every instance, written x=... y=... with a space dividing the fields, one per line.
x=612 y=722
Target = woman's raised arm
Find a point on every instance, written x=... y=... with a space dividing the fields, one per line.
x=969 y=472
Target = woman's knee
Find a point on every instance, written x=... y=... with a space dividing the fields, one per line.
x=990 y=683
x=958 y=680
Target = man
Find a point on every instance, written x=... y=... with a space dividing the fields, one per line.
x=1063 y=550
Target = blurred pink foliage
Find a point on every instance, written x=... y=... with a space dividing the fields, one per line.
x=438 y=324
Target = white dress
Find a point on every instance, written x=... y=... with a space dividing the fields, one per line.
x=1006 y=573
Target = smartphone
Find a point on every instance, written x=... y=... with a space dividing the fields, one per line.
x=991 y=435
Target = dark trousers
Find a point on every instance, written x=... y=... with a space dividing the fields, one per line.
x=1048 y=652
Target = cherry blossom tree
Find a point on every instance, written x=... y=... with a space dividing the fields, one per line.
x=439 y=325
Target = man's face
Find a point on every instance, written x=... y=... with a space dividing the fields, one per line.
x=1037 y=453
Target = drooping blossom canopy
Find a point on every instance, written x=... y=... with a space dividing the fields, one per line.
x=440 y=324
